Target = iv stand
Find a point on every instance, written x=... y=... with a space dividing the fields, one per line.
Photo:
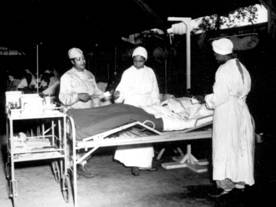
x=37 y=67
x=186 y=21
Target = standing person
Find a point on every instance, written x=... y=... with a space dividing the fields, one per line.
x=138 y=87
x=78 y=90
x=233 y=131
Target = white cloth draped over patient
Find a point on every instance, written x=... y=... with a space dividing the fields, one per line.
x=178 y=113
x=74 y=82
x=233 y=140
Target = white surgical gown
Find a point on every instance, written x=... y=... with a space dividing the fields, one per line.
x=137 y=87
x=233 y=133
x=73 y=82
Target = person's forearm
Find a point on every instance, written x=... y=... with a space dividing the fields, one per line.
x=68 y=98
x=99 y=93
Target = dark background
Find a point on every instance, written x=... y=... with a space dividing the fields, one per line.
x=52 y=27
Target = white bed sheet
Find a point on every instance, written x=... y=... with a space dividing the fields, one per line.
x=179 y=113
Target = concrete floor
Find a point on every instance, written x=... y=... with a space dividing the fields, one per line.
x=113 y=185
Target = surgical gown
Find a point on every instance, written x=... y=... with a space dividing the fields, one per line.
x=233 y=133
x=137 y=87
x=73 y=82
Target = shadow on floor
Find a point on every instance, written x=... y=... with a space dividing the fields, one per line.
x=113 y=184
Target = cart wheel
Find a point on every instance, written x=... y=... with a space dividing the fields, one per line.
x=14 y=201
x=10 y=189
x=8 y=170
x=56 y=170
x=65 y=186
x=12 y=192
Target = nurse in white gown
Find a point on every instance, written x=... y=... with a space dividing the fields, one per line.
x=233 y=133
x=138 y=87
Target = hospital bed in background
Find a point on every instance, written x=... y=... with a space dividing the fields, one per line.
x=121 y=125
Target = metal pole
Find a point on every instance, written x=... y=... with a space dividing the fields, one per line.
x=188 y=57
x=186 y=21
x=115 y=59
x=166 y=75
x=37 y=67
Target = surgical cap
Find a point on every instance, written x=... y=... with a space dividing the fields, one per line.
x=223 y=46
x=141 y=51
x=75 y=53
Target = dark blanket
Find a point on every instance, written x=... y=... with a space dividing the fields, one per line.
x=93 y=121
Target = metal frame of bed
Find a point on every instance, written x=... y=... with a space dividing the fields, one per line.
x=105 y=139
x=49 y=144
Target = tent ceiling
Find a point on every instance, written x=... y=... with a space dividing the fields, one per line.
x=104 y=20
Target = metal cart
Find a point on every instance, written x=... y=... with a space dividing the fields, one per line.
x=47 y=143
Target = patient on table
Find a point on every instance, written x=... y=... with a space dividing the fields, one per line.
x=178 y=113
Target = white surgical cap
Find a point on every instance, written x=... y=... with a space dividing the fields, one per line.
x=223 y=46
x=141 y=51
x=75 y=53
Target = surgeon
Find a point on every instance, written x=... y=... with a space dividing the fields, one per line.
x=138 y=87
x=78 y=90
x=233 y=132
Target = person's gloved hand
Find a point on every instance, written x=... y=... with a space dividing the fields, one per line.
x=199 y=98
x=84 y=97
x=116 y=95
x=107 y=95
